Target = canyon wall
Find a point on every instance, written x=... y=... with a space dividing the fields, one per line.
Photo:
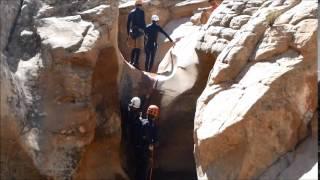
x=260 y=99
x=60 y=69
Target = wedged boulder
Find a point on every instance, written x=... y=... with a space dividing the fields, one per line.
x=70 y=87
x=260 y=97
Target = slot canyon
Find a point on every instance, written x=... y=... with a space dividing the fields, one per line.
x=238 y=92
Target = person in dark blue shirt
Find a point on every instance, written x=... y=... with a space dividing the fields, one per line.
x=151 y=45
x=135 y=29
x=148 y=139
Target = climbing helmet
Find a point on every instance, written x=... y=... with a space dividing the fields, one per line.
x=153 y=110
x=135 y=102
x=155 y=18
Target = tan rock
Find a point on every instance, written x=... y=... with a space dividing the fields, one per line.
x=238 y=21
x=276 y=41
x=64 y=33
x=186 y=8
x=305 y=37
x=59 y=85
x=251 y=113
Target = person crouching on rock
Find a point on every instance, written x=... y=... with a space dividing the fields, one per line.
x=148 y=140
x=135 y=29
x=151 y=35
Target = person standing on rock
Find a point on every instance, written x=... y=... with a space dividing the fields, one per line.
x=131 y=131
x=147 y=140
x=135 y=29
x=151 y=45
x=132 y=124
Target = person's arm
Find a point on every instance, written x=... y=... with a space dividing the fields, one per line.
x=164 y=33
x=129 y=23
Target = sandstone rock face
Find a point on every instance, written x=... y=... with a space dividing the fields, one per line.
x=61 y=71
x=261 y=93
x=9 y=12
x=297 y=164
x=15 y=162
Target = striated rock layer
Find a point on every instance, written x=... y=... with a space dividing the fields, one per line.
x=261 y=93
x=60 y=69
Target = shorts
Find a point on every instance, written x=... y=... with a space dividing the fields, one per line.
x=136 y=43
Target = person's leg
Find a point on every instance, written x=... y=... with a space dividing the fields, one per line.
x=139 y=45
x=133 y=52
x=137 y=56
x=152 y=56
x=147 y=50
x=139 y=164
x=145 y=164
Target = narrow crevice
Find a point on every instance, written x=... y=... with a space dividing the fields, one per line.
x=12 y=30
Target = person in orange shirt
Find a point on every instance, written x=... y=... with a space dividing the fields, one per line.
x=207 y=11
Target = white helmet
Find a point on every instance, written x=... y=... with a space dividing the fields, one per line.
x=155 y=18
x=135 y=102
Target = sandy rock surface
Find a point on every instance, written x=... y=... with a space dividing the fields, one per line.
x=260 y=96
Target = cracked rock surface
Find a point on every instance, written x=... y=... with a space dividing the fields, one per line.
x=59 y=85
x=260 y=97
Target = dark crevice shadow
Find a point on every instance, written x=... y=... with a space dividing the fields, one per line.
x=176 y=133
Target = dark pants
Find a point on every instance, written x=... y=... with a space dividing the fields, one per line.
x=142 y=163
x=150 y=49
x=135 y=54
x=137 y=43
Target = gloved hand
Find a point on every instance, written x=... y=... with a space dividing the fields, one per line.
x=151 y=147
